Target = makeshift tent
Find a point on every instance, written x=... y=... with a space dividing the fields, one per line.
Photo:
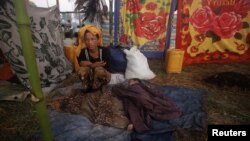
x=58 y=67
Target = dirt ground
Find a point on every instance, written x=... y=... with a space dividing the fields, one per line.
x=224 y=105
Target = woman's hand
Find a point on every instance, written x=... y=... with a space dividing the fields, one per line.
x=98 y=64
x=85 y=63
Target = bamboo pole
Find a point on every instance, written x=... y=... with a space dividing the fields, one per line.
x=30 y=61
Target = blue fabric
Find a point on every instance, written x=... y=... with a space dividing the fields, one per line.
x=118 y=61
x=69 y=127
x=189 y=101
x=165 y=136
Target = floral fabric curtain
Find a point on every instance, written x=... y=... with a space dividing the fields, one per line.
x=144 y=23
x=214 y=30
x=52 y=64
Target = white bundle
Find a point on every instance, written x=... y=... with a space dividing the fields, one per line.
x=137 y=65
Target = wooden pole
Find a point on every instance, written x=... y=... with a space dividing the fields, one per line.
x=58 y=5
x=116 y=21
x=111 y=21
x=31 y=65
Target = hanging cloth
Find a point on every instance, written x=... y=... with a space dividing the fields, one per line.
x=144 y=22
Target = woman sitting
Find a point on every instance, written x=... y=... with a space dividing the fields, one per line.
x=93 y=58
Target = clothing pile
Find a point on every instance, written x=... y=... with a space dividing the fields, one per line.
x=142 y=105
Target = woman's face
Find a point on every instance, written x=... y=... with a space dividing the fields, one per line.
x=91 y=40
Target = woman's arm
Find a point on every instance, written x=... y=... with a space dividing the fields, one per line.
x=98 y=64
x=92 y=65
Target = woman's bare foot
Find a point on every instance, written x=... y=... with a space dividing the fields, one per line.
x=130 y=127
x=133 y=81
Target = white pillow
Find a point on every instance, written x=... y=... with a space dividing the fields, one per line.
x=137 y=65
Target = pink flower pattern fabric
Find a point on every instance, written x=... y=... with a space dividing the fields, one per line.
x=213 y=31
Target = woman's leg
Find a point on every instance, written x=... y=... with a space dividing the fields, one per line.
x=101 y=77
x=85 y=76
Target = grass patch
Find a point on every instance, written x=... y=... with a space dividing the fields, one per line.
x=18 y=121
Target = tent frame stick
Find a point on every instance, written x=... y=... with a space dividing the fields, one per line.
x=30 y=61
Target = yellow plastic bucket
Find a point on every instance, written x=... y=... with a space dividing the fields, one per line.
x=70 y=53
x=174 y=60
